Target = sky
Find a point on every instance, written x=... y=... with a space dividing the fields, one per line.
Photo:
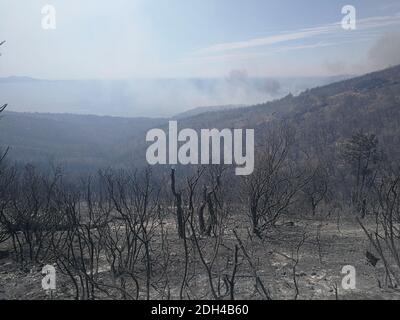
x=120 y=39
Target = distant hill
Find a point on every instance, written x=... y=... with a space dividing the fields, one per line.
x=320 y=116
x=200 y=110
x=78 y=141
x=15 y=79
x=144 y=97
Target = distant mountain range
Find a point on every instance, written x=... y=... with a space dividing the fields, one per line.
x=144 y=97
x=200 y=110
x=321 y=116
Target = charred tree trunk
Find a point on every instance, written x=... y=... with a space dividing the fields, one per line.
x=179 y=206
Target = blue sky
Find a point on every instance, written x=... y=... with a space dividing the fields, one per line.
x=195 y=38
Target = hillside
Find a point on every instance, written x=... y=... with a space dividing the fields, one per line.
x=145 y=97
x=323 y=115
x=382 y=87
x=77 y=141
x=199 y=110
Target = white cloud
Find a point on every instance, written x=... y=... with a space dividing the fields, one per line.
x=328 y=29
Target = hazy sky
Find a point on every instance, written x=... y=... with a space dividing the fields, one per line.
x=195 y=38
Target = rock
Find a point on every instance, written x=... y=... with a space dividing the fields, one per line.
x=371 y=258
